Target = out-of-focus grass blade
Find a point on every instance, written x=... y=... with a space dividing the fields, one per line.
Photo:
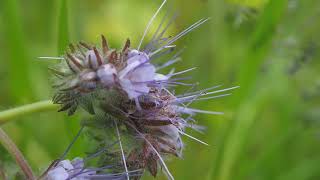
x=305 y=170
x=259 y=46
x=19 y=75
x=63 y=27
x=63 y=40
x=72 y=123
x=250 y=3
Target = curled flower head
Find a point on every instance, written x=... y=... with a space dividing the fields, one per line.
x=130 y=100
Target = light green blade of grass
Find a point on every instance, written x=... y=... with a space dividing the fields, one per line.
x=236 y=138
x=19 y=75
x=63 y=27
x=273 y=159
x=245 y=116
x=260 y=45
x=271 y=150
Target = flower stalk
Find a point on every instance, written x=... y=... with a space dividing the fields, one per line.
x=41 y=106
x=15 y=152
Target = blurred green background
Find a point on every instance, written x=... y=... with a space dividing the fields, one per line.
x=270 y=129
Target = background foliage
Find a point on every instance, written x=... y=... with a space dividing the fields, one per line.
x=270 y=129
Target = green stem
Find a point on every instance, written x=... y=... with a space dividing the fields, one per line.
x=14 y=151
x=11 y=114
x=2 y=173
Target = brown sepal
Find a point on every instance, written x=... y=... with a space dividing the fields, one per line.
x=126 y=46
x=85 y=45
x=74 y=61
x=99 y=59
x=105 y=46
x=72 y=48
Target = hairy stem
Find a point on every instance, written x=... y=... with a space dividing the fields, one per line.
x=8 y=115
x=2 y=173
x=14 y=151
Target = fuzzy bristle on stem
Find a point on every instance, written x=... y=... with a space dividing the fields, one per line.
x=122 y=152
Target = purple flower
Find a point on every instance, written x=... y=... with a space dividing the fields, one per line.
x=67 y=169
x=107 y=75
x=129 y=97
x=135 y=77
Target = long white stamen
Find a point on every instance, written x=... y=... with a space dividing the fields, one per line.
x=160 y=49
x=157 y=31
x=195 y=98
x=181 y=34
x=169 y=63
x=175 y=58
x=167 y=51
x=166 y=28
x=150 y=22
x=197 y=92
x=189 y=136
x=181 y=72
x=159 y=38
x=52 y=58
x=222 y=90
x=192 y=27
x=192 y=111
x=213 y=97
x=208 y=93
x=123 y=156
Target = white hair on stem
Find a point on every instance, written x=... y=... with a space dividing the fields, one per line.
x=150 y=22
x=121 y=148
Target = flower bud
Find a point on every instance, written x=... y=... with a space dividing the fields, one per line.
x=91 y=59
x=106 y=74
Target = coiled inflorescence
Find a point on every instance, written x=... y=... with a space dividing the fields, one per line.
x=127 y=96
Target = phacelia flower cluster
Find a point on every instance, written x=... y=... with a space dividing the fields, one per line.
x=130 y=101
